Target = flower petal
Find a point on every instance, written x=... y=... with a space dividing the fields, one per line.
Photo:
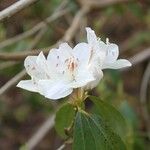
x=36 y=66
x=112 y=52
x=82 y=78
x=120 y=63
x=91 y=36
x=57 y=59
x=28 y=85
x=30 y=64
x=41 y=61
x=98 y=74
x=54 y=89
x=82 y=53
x=61 y=54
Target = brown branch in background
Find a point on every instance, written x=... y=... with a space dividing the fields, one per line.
x=67 y=37
x=20 y=75
x=12 y=81
x=33 y=30
x=143 y=97
x=62 y=147
x=100 y=3
x=16 y=7
x=22 y=55
x=41 y=132
x=38 y=37
x=7 y=64
x=75 y=24
x=141 y=56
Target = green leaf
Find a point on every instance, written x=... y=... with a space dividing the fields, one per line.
x=91 y=133
x=111 y=116
x=64 y=119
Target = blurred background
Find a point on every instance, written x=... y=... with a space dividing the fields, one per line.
x=41 y=25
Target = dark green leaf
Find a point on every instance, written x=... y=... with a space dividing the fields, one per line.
x=91 y=133
x=64 y=119
x=111 y=116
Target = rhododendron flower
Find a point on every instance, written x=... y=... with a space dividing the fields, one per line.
x=103 y=56
x=108 y=53
x=66 y=69
x=63 y=70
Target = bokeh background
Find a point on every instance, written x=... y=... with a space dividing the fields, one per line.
x=124 y=22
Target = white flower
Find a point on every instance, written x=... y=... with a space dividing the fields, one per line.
x=63 y=70
x=107 y=53
x=66 y=69
x=103 y=56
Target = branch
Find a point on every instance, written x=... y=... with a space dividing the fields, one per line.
x=7 y=64
x=143 y=99
x=141 y=56
x=12 y=82
x=41 y=132
x=75 y=24
x=33 y=30
x=67 y=37
x=62 y=147
x=21 y=74
x=11 y=10
x=100 y=3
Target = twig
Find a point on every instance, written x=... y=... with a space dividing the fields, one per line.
x=33 y=30
x=21 y=74
x=22 y=55
x=141 y=56
x=100 y=3
x=75 y=24
x=67 y=37
x=38 y=37
x=13 y=81
x=8 y=12
x=143 y=99
x=62 y=147
x=4 y=65
x=41 y=132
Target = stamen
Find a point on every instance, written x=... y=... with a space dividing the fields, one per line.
x=107 y=41
x=71 y=64
x=99 y=39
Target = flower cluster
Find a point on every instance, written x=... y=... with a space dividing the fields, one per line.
x=68 y=68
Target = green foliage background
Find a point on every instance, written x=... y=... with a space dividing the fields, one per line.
x=22 y=112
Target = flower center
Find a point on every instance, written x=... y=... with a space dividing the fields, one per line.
x=72 y=66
